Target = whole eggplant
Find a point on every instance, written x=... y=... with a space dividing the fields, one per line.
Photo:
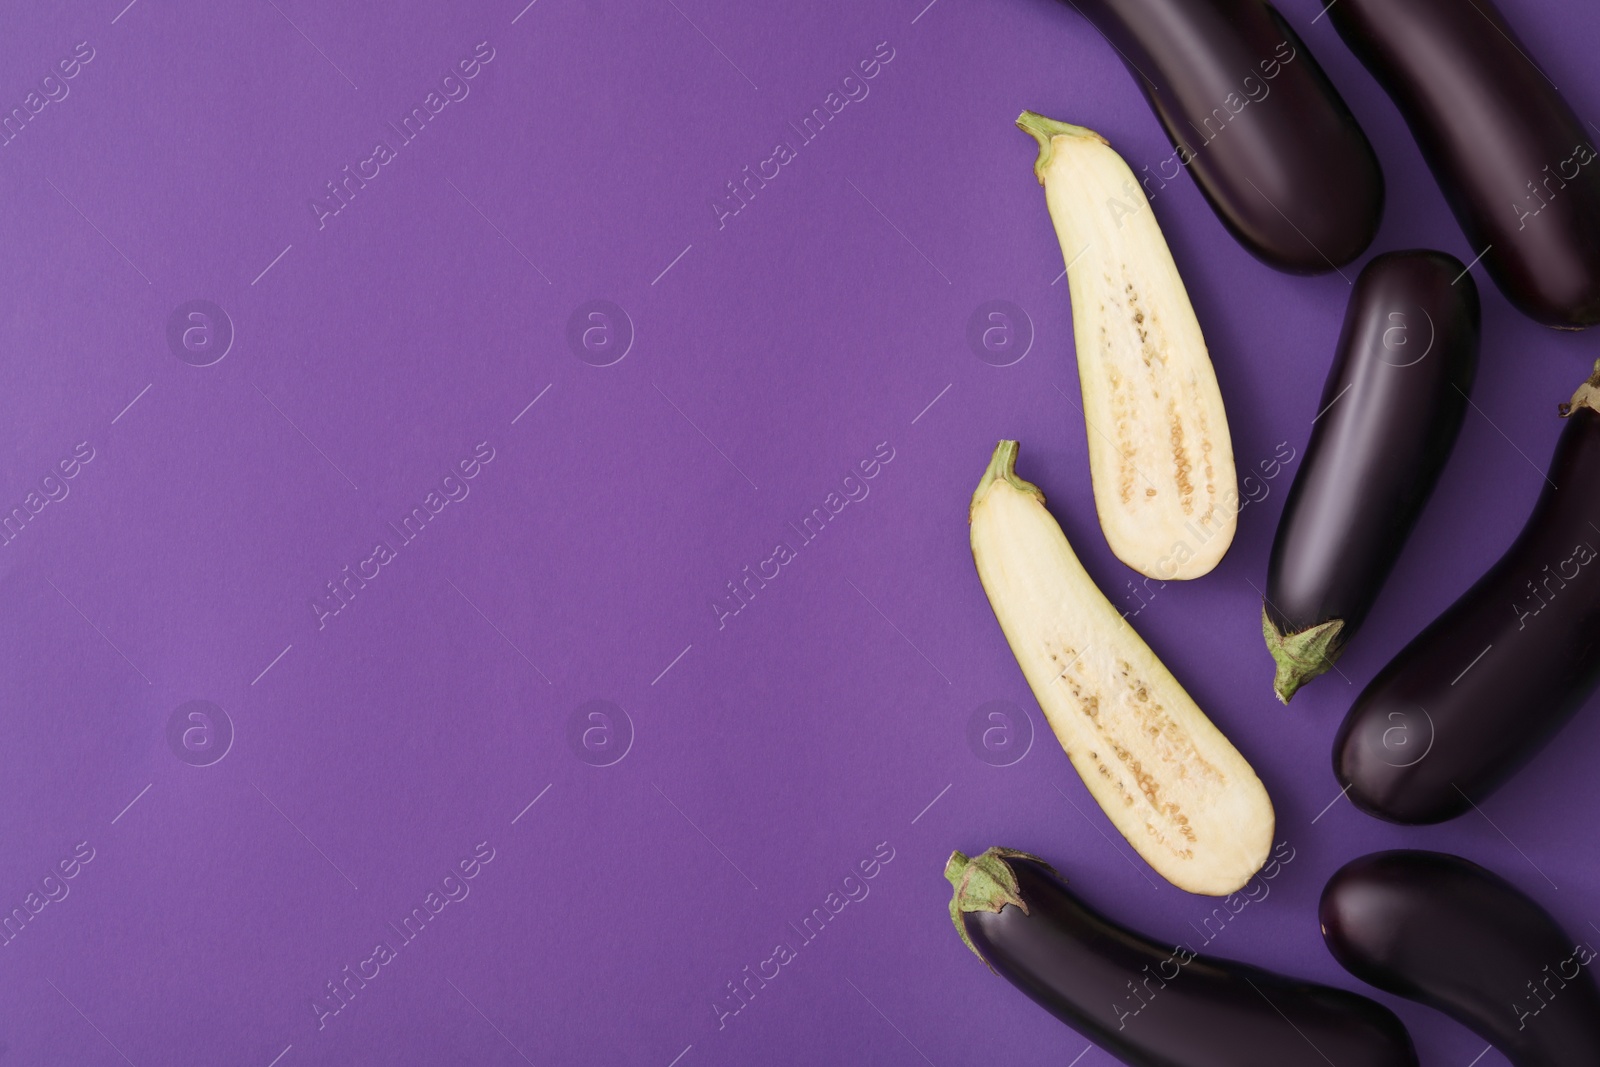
x=1389 y=415
x=1479 y=691
x=1148 y=1004
x=1515 y=163
x=1437 y=929
x=1254 y=119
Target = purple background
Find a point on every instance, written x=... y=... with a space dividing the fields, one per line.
x=768 y=756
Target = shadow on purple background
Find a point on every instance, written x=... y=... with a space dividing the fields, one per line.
x=633 y=860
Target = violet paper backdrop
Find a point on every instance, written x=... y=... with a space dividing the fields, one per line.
x=529 y=746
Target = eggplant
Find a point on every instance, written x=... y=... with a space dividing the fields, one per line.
x=1148 y=1004
x=1160 y=456
x=1390 y=413
x=1163 y=773
x=1513 y=160
x=1440 y=930
x=1476 y=694
x=1253 y=118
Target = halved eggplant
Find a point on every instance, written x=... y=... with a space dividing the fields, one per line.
x=1147 y=1003
x=1440 y=930
x=1164 y=775
x=1477 y=693
x=1255 y=121
x=1389 y=415
x=1160 y=456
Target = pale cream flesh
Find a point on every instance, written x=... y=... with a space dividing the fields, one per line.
x=1166 y=777
x=1160 y=455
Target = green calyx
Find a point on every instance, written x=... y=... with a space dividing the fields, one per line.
x=983 y=883
x=1003 y=467
x=1301 y=655
x=1588 y=394
x=1045 y=131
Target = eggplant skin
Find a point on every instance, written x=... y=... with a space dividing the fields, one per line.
x=1515 y=163
x=1153 y=1005
x=1441 y=930
x=1390 y=412
x=1476 y=694
x=1254 y=119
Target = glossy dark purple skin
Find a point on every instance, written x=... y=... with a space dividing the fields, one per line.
x=1389 y=415
x=1477 y=693
x=1489 y=122
x=1437 y=929
x=1077 y=964
x=1281 y=160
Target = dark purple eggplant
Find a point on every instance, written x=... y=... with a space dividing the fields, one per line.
x=1389 y=415
x=1513 y=160
x=1445 y=932
x=1477 y=693
x=1148 y=1004
x=1254 y=119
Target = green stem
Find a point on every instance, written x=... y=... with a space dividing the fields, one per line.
x=1588 y=394
x=1301 y=655
x=983 y=883
x=1003 y=467
x=1045 y=131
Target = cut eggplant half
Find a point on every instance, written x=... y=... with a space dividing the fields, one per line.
x=1165 y=776
x=1159 y=452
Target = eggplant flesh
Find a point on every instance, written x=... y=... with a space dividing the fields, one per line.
x=1254 y=119
x=1162 y=772
x=1476 y=694
x=1440 y=930
x=1514 y=162
x=1389 y=415
x=1147 y=1003
x=1160 y=456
